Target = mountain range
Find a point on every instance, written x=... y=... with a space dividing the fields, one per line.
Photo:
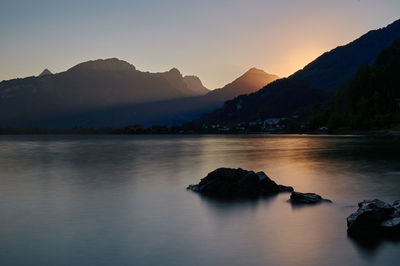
x=178 y=111
x=316 y=82
x=112 y=92
x=88 y=86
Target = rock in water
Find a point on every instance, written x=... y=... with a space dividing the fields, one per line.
x=229 y=182
x=374 y=218
x=283 y=188
x=306 y=198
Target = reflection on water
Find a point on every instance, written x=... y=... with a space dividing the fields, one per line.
x=121 y=200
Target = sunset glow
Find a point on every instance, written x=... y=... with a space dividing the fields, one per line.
x=215 y=40
x=211 y=132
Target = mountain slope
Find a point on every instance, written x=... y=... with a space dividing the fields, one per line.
x=168 y=112
x=315 y=83
x=195 y=86
x=182 y=110
x=173 y=111
x=282 y=97
x=370 y=101
x=251 y=81
x=87 y=86
x=334 y=68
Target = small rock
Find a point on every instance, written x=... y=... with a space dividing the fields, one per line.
x=306 y=198
x=283 y=188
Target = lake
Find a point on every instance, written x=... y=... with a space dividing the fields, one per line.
x=122 y=200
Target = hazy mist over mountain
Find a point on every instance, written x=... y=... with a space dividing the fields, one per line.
x=113 y=92
x=87 y=86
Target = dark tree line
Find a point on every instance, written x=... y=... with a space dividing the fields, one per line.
x=370 y=101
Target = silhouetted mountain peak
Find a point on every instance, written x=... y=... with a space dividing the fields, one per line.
x=314 y=83
x=175 y=72
x=110 y=64
x=256 y=75
x=256 y=70
x=194 y=84
x=251 y=81
x=45 y=72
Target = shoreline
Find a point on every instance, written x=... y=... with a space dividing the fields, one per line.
x=349 y=134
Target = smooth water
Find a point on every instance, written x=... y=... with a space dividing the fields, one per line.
x=121 y=200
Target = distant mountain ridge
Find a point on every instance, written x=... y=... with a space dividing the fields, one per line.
x=182 y=110
x=316 y=82
x=251 y=81
x=91 y=85
x=168 y=112
x=110 y=64
x=112 y=92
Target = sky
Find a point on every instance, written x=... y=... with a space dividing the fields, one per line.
x=217 y=40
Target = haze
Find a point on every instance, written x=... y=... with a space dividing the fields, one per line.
x=215 y=40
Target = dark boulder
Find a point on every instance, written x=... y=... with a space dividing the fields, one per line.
x=306 y=198
x=228 y=182
x=374 y=218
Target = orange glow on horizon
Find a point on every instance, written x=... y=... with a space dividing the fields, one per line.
x=296 y=60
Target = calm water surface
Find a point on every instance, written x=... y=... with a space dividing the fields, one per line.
x=121 y=200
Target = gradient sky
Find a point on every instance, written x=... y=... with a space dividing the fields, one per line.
x=216 y=40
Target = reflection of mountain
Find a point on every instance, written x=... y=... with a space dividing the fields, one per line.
x=325 y=74
x=89 y=86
